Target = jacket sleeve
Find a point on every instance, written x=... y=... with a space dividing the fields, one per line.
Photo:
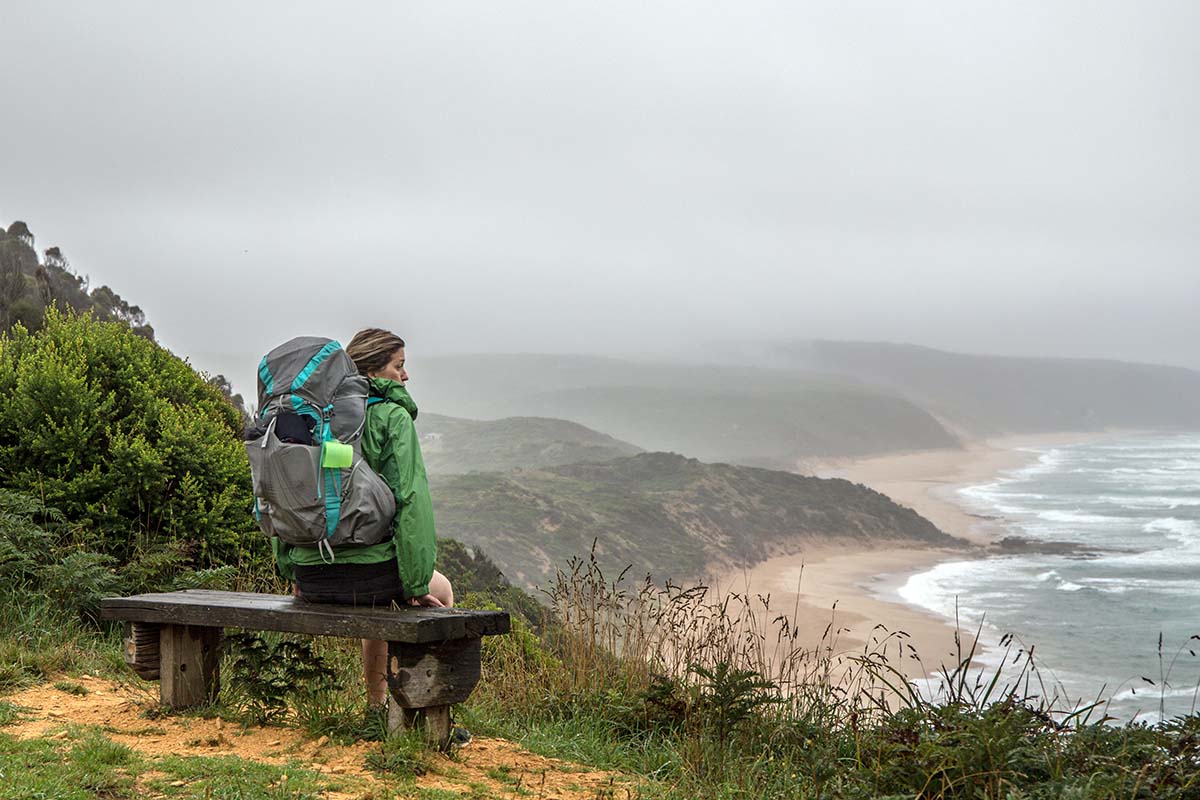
x=283 y=558
x=402 y=468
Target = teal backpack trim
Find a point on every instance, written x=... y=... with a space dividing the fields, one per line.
x=332 y=475
x=298 y=403
x=314 y=362
x=333 y=500
x=301 y=406
x=264 y=374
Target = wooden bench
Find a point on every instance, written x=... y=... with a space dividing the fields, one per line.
x=433 y=654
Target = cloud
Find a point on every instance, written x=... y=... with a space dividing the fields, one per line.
x=621 y=177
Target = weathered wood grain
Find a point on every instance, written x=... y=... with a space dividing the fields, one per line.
x=141 y=649
x=191 y=659
x=433 y=654
x=285 y=613
x=420 y=676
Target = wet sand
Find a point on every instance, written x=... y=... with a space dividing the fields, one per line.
x=855 y=587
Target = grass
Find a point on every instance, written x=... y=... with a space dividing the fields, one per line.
x=44 y=643
x=513 y=783
x=580 y=738
x=689 y=695
x=401 y=756
x=71 y=687
x=438 y=794
x=87 y=765
x=9 y=713
x=231 y=778
x=84 y=765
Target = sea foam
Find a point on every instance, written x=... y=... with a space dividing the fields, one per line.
x=1095 y=616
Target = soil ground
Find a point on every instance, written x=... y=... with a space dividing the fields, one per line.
x=125 y=712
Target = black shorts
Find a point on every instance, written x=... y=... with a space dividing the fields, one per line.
x=351 y=584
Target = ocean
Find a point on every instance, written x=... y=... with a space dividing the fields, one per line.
x=1095 y=617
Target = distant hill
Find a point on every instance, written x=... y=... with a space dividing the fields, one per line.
x=745 y=415
x=454 y=445
x=660 y=512
x=999 y=394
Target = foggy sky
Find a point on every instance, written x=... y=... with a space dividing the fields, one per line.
x=619 y=178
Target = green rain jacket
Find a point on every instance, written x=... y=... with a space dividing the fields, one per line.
x=390 y=447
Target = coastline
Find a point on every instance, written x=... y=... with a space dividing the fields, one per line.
x=856 y=588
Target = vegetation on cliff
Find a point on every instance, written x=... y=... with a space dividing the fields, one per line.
x=661 y=513
x=30 y=285
x=140 y=454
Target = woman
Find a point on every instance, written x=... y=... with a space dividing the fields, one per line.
x=400 y=569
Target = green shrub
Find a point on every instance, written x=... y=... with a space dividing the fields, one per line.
x=130 y=443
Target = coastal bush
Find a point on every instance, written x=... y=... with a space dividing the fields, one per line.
x=137 y=451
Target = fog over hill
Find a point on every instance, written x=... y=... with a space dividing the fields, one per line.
x=815 y=399
x=999 y=394
x=455 y=445
x=739 y=414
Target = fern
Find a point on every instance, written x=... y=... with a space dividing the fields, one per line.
x=215 y=578
x=263 y=675
x=78 y=581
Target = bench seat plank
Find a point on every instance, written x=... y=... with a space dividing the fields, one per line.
x=206 y=607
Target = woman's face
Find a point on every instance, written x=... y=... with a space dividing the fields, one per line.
x=393 y=369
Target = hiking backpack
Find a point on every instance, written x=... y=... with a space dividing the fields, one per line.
x=311 y=484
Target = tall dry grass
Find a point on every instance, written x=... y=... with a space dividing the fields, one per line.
x=608 y=631
x=721 y=695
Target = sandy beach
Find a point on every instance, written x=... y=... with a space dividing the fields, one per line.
x=855 y=589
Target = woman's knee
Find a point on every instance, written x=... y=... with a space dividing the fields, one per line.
x=441 y=588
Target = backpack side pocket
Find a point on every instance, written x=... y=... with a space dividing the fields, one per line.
x=286 y=476
x=368 y=506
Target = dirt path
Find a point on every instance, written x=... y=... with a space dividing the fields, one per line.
x=484 y=768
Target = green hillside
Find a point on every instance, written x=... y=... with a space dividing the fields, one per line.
x=454 y=445
x=660 y=512
x=745 y=415
x=999 y=394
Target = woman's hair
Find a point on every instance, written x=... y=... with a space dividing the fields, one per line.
x=372 y=348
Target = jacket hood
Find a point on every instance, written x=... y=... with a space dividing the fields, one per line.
x=393 y=392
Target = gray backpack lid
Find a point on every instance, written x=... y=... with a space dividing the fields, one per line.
x=308 y=366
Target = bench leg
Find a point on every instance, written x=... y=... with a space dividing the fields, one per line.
x=435 y=720
x=190 y=658
x=141 y=649
x=425 y=679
